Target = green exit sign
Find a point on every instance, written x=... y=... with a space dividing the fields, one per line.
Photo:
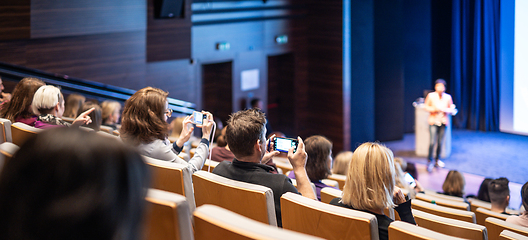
x=281 y=39
x=223 y=46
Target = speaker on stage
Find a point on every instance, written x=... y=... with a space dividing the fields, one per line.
x=168 y=8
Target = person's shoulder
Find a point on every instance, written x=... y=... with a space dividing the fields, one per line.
x=338 y=202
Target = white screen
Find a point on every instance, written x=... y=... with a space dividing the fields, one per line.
x=520 y=74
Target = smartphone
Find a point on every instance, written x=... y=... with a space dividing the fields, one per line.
x=284 y=144
x=410 y=180
x=197 y=118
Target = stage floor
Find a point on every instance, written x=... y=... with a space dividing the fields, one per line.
x=479 y=155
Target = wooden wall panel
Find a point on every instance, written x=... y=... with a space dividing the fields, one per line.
x=177 y=77
x=14 y=19
x=55 y=18
x=168 y=39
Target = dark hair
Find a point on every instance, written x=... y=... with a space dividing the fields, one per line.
x=524 y=195
x=499 y=190
x=244 y=128
x=73 y=104
x=254 y=102
x=483 y=193
x=440 y=80
x=142 y=120
x=96 y=115
x=318 y=148
x=19 y=106
x=65 y=183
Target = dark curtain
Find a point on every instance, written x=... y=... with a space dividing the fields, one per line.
x=475 y=64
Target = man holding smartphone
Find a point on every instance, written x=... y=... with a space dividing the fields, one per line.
x=245 y=135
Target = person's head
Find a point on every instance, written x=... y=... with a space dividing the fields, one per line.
x=402 y=163
x=440 y=85
x=319 y=162
x=145 y=116
x=95 y=115
x=66 y=183
x=176 y=126
x=245 y=133
x=524 y=196
x=341 y=162
x=256 y=103
x=111 y=111
x=221 y=140
x=1 y=85
x=454 y=184
x=49 y=100
x=483 y=193
x=370 y=178
x=499 y=192
x=73 y=104
x=20 y=104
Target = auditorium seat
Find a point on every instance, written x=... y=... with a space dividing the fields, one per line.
x=315 y=218
x=211 y=163
x=330 y=182
x=250 y=200
x=20 y=132
x=340 y=179
x=441 y=211
x=328 y=193
x=171 y=177
x=482 y=214
x=495 y=226
x=167 y=216
x=443 y=196
x=106 y=129
x=450 y=226
x=294 y=183
x=213 y=222
x=509 y=235
x=405 y=231
x=475 y=203
x=67 y=119
x=7 y=150
x=285 y=167
x=5 y=130
x=443 y=202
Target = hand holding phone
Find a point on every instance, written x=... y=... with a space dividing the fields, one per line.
x=198 y=118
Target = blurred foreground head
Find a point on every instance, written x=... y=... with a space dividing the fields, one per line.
x=65 y=183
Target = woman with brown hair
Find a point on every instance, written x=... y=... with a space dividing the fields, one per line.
x=19 y=108
x=144 y=124
x=73 y=105
x=454 y=184
x=370 y=186
x=319 y=162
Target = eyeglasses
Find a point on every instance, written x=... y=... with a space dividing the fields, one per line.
x=168 y=112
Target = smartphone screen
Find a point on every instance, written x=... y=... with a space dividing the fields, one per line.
x=198 y=118
x=410 y=180
x=284 y=144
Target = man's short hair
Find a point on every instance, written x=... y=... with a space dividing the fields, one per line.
x=244 y=128
x=440 y=80
x=498 y=190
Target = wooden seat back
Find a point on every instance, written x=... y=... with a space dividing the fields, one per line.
x=495 y=226
x=450 y=226
x=340 y=179
x=509 y=235
x=475 y=203
x=441 y=211
x=21 y=132
x=5 y=130
x=443 y=202
x=209 y=164
x=405 y=231
x=328 y=193
x=315 y=218
x=213 y=222
x=482 y=214
x=250 y=200
x=167 y=216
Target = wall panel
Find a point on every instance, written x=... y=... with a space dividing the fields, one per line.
x=14 y=19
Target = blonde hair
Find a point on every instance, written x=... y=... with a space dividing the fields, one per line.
x=370 y=178
x=177 y=126
x=109 y=107
x=454 y=184
x=400 y=178
x=341 y=162
x=46 y=98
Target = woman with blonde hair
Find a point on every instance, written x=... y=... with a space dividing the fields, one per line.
x=145 y=126
x=370 y=186
x=341 y=162
x=454 y=184
x=111 y=113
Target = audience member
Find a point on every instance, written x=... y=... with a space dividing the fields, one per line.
x=245 y=135
x=49 y=102
x=483 y=193
x=95 y=115
x=73 y=105
x=370 y=186
x=256 y=103
x=319 y=162
x=522 y=219
x=454 y=184
x=221 y=152
x=111 y=113
x=341 y=162
x=4 y=97
x=144 y=124
x=406 y=178
x=499 y=193
x=19 y=108
x=69 y=184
